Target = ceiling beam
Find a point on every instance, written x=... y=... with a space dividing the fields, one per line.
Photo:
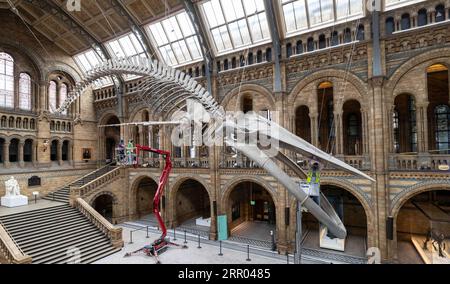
x=276 y=42
x=137 y=30
x=206 y=46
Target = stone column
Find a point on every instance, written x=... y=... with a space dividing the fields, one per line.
x=59 y=153
x=33 y=153
x=42 y=96
x=6 y=153
x=339 y=133
x=20 y=158
x=378 y=136
x=314 y=130
x=69 y=153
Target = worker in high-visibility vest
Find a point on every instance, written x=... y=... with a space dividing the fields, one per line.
x=313 y=179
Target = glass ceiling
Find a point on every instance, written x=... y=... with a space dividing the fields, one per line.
x=235 y=24
x=176 y=40
x=86 y=61
x=126 y=46
x=392 y=4
x=301 y=15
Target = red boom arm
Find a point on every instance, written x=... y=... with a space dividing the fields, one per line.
x=162 y=183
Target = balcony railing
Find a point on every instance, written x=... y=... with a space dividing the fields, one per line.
x=191 y=163
x=415 y=162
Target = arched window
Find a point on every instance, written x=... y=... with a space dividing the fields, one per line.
x=25 y=91
x=65 y=151
x=347 y=35
x=334 y=38
x=6 y=80
x=310 y=44
x=422 y=17
x=63 y=96
x=242 y=61
x=233 y=62
x=360 y=33
x=52 y=94
x=405 y=22
x=14 y=151
x=322 y=41
x=396 y=128
x=259 y=56
x=54 y=151
x=225 y=65
x=247 y=104
x=250 y=58
x=269 y=54
x=405 y=124
x=219 y=66
x=28 y=150
x=299 y=48
x=442 y=132
x=440 y=13
x=289 y=50
x=325 y=104
x=390 y=26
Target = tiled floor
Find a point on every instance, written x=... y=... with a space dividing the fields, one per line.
x=354 y=245
x=254 y=230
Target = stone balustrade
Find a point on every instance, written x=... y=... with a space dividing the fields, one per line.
x=91 y=187
x=112 y=232
x=422 y=162
x=202 y=163
x=18 y=122
x=10 y=253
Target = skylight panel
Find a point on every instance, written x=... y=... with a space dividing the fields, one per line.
x=176 y=40
x=86 y=61
x=236 y=24
x=303 y=15
x=393 y=4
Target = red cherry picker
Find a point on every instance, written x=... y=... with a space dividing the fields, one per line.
x=161 y=244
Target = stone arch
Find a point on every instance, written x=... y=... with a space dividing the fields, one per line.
x=238 y=92
x=230 y=185
x=327 y=75
x=106 y=116
x=175 y=187
x=134 y=192
x=400 y=200
x=68 y=70
x=109 y=193
x=432 y=57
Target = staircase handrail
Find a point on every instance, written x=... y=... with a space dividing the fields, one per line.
x=10 y=249
x=85 y=176
x=86 y=189
x=112 y=232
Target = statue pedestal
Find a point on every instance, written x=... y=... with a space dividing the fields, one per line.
x=14 y=201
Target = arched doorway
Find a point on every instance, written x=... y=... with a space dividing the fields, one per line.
x=54 y=151
x=325 y=101
x=438 y=109
x=352 y=122
x=14 y=150
x=103 y=204
x=145 y=193
x=421 y=214
x=405 y=124
x=112 y=138
x=251 y=213
x=28 y=151
x=192 y=208
x=303 y=123
x=351 y=212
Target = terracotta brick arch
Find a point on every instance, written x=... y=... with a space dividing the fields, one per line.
x=247 y=88
x=353 y=190
x=337 y=77
x=231 y=185
x=109 y=193
x=174 y=186
x=408 y=193
x=432 y=57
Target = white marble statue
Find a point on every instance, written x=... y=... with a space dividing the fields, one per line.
x=12 y=187
x=12 y=196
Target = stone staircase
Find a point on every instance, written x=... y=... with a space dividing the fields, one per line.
x=59 y=235
x=63 y=194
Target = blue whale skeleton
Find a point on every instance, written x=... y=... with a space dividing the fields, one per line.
x=166 y=90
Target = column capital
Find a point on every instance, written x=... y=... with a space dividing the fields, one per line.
x=377 y=81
